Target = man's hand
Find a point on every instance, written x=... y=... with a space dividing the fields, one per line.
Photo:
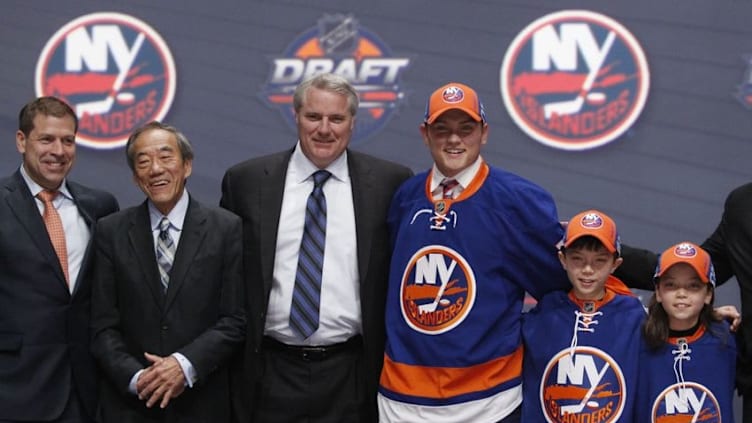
x=730 y=314
x=164 y=380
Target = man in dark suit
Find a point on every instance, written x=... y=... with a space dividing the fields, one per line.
x=331 y=374
x=168 y=297
x=730 y=248
x=46 y=371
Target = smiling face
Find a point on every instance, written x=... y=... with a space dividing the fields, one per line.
x=682 y=294
x=325 y=125
x=588 y=270
x=49 y=150
x=455 y=139
x=159 y=168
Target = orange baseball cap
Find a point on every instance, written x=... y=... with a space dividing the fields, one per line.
x=454 y=95
x=693 y=255
x=596 y=224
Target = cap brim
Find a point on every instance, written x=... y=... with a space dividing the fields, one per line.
x=607 y=244
x=443 y=110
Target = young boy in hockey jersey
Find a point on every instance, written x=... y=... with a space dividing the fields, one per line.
x=581 y=346
x=688 y=357
x=468 y=240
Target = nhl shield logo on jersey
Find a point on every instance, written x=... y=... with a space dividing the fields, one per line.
x=438 y=290
x=686 y=402
x=340 y=45
x=574 y=80
x=114 y=70
x=586 y=385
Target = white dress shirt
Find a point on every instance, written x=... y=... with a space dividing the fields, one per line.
x=464 y=178
x=339 y=310
x=176 y=216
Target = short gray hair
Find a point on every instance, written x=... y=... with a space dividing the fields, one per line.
x=186 y=150
x=327 y=82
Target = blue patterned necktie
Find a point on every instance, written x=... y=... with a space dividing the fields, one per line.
x=306 y=296
x=165 y=252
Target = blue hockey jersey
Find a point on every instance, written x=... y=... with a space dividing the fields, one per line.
x=459 y=272
x=689 y=379
x=581 y=358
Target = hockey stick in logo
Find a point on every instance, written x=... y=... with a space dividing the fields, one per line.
x=103 y=106
x=430 y=307
x=574 y=409
x=569 y=107
x=699 y=409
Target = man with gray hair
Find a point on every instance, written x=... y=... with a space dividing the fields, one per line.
x=316 y=260
x=167 y=311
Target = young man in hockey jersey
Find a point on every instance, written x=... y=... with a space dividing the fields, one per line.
x=581 y=347
x=688 y=357
x=468 y=240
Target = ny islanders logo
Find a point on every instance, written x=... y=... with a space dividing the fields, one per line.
x=685 y=250
x=591 y=221
x=584 y=386
x=686 y=402
x=340 y=45
x=114 y=70
x=437 y=291
x=574 y=80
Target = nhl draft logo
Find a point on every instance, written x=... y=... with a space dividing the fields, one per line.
x=584 y=386
x=687 y=402
x=574 y=80
x=114 y=70
x=340 y=45
x=437 y=291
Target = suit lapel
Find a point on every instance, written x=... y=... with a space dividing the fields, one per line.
x=25 y=208
x=142 y=245
x=191 y=238
x=270 y=203
x=362 y=186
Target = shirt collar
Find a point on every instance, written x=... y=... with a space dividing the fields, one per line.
x=176 y=216
x=465 y=177
x=35 y=188
x=301 y=168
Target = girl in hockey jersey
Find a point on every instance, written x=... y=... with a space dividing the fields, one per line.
x=581 y=349
x=687 y=357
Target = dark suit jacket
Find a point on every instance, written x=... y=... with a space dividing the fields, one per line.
x=254 y=189
x=201 y=316
x=44 y=330
x=730 y=248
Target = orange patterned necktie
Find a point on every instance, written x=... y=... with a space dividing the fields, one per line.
x=55 y=228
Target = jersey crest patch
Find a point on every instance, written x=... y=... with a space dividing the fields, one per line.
x=438 y=290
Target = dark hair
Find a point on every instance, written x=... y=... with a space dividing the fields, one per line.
x=186 y=150
x=656 y=328
x=587 y=242
x=327 y=82
x=48 y=106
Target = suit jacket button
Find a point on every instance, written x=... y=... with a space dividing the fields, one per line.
x=164 y=327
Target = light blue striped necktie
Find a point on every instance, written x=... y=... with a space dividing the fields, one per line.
x=306 y=296
x=165 y=252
